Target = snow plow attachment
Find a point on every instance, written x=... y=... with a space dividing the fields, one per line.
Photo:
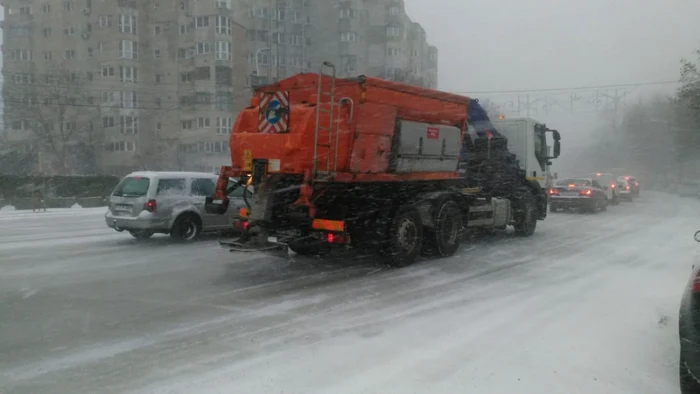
x=256 y=240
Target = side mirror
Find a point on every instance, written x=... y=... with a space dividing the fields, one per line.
x=557 y=148
x=697 y=236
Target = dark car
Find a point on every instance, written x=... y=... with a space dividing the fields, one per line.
x=583 y=193
x=689 y=333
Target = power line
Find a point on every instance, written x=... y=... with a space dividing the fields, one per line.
x=622 y=85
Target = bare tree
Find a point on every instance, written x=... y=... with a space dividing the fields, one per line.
x=61 y=117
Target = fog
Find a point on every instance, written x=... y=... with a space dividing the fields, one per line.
x=569 y=60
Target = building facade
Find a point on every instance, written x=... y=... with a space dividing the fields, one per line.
x=112 y=86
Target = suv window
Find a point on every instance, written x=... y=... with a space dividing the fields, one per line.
x=172 y=187
x=203 y=187
x=134 y=186
x=597 y=185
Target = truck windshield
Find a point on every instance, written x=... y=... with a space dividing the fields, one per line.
x=132 y=187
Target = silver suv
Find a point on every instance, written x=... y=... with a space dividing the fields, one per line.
x=145 y=203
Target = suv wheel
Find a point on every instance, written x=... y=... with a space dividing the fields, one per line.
x=187 y=227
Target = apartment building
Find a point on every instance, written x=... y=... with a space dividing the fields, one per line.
x=113 y=86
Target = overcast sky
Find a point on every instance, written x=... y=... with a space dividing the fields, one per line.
x=530 y=44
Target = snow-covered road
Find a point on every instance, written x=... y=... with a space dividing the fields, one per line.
x=587 y=305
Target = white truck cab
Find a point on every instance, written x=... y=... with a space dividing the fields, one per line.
x=533 y=153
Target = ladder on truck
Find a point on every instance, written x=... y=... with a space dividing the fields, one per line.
x=325 y=107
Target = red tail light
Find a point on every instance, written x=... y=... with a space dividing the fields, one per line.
x=586 y=192
x=627 y=188
x=150 y=206
x=332 y=238
x=553 y=192
x=695 y=286
x=612 y=185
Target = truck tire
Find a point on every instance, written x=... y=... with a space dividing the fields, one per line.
x=527 y=219
x=187 y=227
x=405 y=238
x=445 y=239
x=688 y=384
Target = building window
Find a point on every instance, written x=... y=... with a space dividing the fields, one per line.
x=224 y=4
x=393 y=52
x=156 y=53
x=104 y=20
x=107 y=122
x=201 y=21
x=347 y=13
x=69 y=54
x=46 y=8
x=348 y=37
x=107 y=98
x=186 y=124
x=69 y=31
x=25 y=10
x=128 y=74
x=223 y=50
x=127 y=24
x=159 y=78
x=203 y=48
x=223 y=125
x=203 y=122
x=128 y=100
x=47 y=32
x=184 y=29
x=47 y=55
x=393 y=31
x=68 y=5
x=107 y=71
x=128 y=49
x=223 y=25
x=395 y=11
x=129 y=124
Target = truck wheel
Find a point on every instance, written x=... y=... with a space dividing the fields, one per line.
x=527 y=219
x=187 y=227
x=405 y=238
x=445 y=239
x=688 y=384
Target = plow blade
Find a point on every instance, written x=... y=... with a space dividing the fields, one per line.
x=271 y=247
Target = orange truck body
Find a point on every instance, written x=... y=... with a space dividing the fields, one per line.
x=364 y=125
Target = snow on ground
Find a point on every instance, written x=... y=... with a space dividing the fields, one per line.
x=587 y=305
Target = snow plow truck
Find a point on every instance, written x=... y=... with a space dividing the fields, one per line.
x=366 y=162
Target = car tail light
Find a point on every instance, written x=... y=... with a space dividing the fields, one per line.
x=627 y=188
x=695 y=286
x=553 y=192
x=612 y=185
x=586 y=192
x=150 y=206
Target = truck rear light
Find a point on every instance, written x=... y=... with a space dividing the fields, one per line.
x=586 y=192
x=332 y=238
x=328 y=225
x=150 y=206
